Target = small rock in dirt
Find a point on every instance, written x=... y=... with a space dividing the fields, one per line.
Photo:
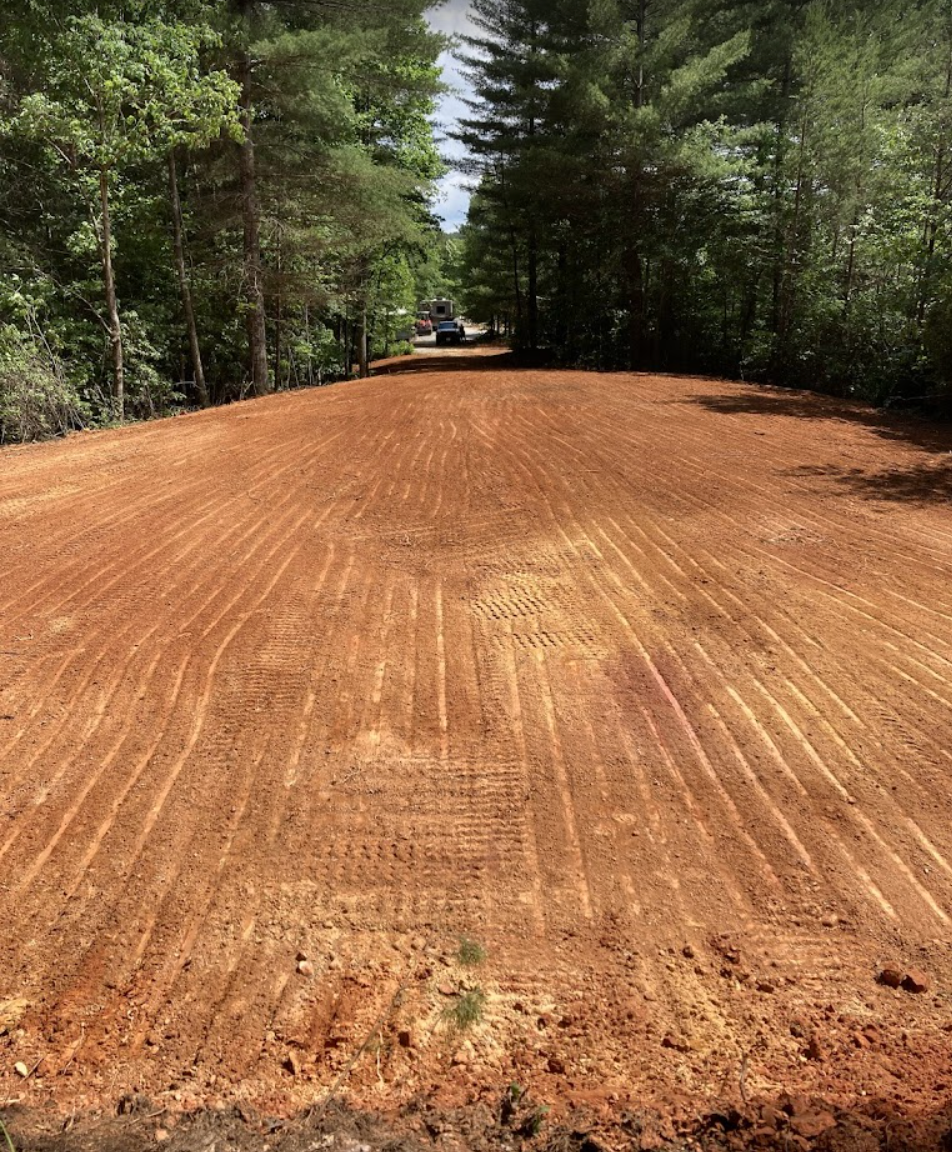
x=917 y=981
x=771 y=1117
x=677 y=1043
x=161 y=1135
x=405 y=1038
x=305 y=968
x=814 y=1050
x=765 y=986
x=557 y=1065
x=812 y=1124
x=133 y=1104
x=11 y=1013
x=830 y=921
x=891 y=974
x=302 y=956
x=292 y=1063
x=688 y=952
x=21 y=1069
x=446 y=990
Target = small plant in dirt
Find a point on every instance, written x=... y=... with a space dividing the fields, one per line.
x=466 y=1009
x=518 y=1113
x=7 y=1142
x=532 y=1125
x=510 y=1103
x=470 y=953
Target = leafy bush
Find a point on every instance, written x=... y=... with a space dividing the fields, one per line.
x=36 y=400
x=149 y=394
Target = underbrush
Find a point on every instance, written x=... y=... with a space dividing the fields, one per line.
x=37 y=402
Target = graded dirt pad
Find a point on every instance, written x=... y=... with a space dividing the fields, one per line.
x=639 y=685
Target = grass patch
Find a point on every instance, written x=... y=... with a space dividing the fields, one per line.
x=466 y=1010
x=6 y=1136
x=470 y=953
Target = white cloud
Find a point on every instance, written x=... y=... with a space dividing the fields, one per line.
x=452 y=19
x=453 y=202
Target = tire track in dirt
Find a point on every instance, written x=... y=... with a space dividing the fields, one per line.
x=927 y=897
x=586 y=669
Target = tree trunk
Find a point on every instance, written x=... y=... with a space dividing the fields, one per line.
x=516 y=278
x=532 y=264
x=112 y=305
x=178 y=233
x=254 y=286
x=849 y=278
x=532 y=270
x=790 y=276
x=634 y=268
x=931 y=229
x=779 y=196
x=641 y=21
x=310 y=351
x=363 y=359
x=278 y=316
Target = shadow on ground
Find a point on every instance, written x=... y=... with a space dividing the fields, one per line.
x=503 y=1123
x=479 y=359
x=926 y=481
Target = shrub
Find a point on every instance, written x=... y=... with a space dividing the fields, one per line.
x=466 y=1009
x=470 y=953
x=36 y=400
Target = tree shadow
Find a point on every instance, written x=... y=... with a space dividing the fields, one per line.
x=465 y=361
x=927 y=480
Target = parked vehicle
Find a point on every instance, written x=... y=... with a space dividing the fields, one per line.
x=442 y=310
x=424 y=326
x=449 y=332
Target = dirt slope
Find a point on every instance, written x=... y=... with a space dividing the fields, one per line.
x=641 y=683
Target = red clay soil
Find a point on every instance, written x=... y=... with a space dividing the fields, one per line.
x=640 y=684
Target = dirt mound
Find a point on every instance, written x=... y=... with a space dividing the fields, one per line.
x=494 y=1126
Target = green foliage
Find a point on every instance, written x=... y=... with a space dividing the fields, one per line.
x=36 y=401
x=116 y=93
x=466 y=1009
x=762 y=190
x=6 y=1137
x=96 y=97
x=470 y=953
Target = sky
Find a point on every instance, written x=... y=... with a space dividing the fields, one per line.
x=451 y=18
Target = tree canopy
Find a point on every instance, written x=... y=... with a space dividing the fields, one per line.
x=200 y=200
x=753 y=189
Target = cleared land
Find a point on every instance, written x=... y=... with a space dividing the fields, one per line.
x=643 y=684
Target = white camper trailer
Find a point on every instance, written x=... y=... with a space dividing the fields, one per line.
x=441 y=310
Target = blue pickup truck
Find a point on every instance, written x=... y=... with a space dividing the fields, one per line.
x=450 y=332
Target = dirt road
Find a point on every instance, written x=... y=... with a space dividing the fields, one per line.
x=640 y=684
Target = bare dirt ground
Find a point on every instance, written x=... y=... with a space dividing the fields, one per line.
x=641 y=684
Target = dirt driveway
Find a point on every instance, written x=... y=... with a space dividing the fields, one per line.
x=639 y=687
